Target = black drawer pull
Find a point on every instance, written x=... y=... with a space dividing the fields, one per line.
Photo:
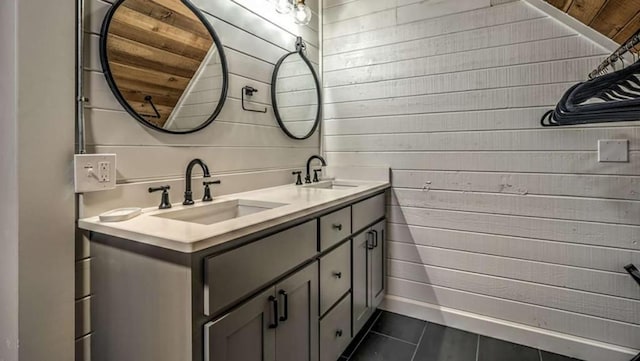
x=338 y=226
x=337 y=274
x=274 y=305
x=338 y=333
x=284 y=294
x=375 y=238
x=369 y=242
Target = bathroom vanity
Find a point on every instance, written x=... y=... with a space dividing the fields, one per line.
x=285 y=273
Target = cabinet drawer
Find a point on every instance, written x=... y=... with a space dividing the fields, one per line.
x=235 y=274
x=335 y=331
x=335 y=276
x=335 y=227
x=368 y=211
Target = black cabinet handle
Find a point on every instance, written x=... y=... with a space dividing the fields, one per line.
x=338 y=333
x=274 y=305
x=369 y=240
x=285 y=297
x=375 y=238
x=338 y=226
x=337 y=274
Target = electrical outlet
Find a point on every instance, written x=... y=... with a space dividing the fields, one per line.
x=104 y=168
x=94 y=172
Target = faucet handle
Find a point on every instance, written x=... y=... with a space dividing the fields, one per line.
x=315 y=175
x=207 y=191
x=299 y=178
x=164 y=203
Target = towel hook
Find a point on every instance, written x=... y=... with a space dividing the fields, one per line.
x=149 y=99
x=249 y=91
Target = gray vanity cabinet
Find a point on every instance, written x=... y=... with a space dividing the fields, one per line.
x=378 y=269
x=297 y=331
x=244 y=334
x=362 y=307
x=279 y=324
x=368 y=273
x=296 y=292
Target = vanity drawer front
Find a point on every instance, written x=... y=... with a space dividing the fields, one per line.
x=335 y=276
x=335 y=331
x=335 y=227
x=368 y=211
x=235 y=274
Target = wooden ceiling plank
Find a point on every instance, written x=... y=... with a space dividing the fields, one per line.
x=138 y=95
x=134 y=33
x=177 y=6
x=628 y=30
x=151 y=76
x=168 y=15
x=133 y=95
x=128 y=52
x=614 y=16
x=145 y=29
x=148 y=87
x=560 y=4
x=586 y=10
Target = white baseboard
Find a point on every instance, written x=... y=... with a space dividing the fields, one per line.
x=555 y=342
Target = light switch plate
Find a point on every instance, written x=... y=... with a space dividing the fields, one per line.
x=94 y=172
x=613 y=150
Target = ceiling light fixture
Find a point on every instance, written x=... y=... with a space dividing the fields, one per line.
x=301 y=12
x=284 y=6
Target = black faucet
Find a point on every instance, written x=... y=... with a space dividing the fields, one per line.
x=307 y=179
x=164 y=203
x=188 y=195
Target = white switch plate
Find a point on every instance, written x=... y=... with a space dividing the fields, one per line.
x=613 y=150
x=94 y=172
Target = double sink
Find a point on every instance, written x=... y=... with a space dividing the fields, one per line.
x=236 y=208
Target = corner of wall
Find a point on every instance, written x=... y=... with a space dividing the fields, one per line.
x=8 y=191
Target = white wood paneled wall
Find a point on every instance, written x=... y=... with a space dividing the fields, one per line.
x=245 y=150
x=490 y=213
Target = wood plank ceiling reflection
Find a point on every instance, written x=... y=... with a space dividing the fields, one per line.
x=154 y=48
x=616 y=19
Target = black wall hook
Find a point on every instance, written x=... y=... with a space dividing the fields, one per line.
x=248 y=91
x=149 y=99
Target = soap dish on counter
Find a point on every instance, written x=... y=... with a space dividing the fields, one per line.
x=121 y=214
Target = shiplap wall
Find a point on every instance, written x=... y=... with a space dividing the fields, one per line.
x=490 y=214
x=245 y=150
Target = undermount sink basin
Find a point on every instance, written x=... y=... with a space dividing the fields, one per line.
x=333 y=184
x=220 y=212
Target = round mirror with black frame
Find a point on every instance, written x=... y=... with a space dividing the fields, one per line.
x=295 y=94
x=164 y=63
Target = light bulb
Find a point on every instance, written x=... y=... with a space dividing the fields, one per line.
x=283 y=6
x=302 y=13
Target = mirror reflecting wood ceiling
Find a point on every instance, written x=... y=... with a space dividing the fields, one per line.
x=160 y=41
x=616 y=19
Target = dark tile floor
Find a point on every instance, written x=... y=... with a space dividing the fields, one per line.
x=392 y=337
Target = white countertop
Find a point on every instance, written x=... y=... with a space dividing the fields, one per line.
x=190 y=237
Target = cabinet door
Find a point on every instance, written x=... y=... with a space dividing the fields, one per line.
x=362 y=307
x=297 y=331
x=245 y=334
x=377 y=263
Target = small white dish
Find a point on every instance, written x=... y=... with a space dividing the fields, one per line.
x=121 y=214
